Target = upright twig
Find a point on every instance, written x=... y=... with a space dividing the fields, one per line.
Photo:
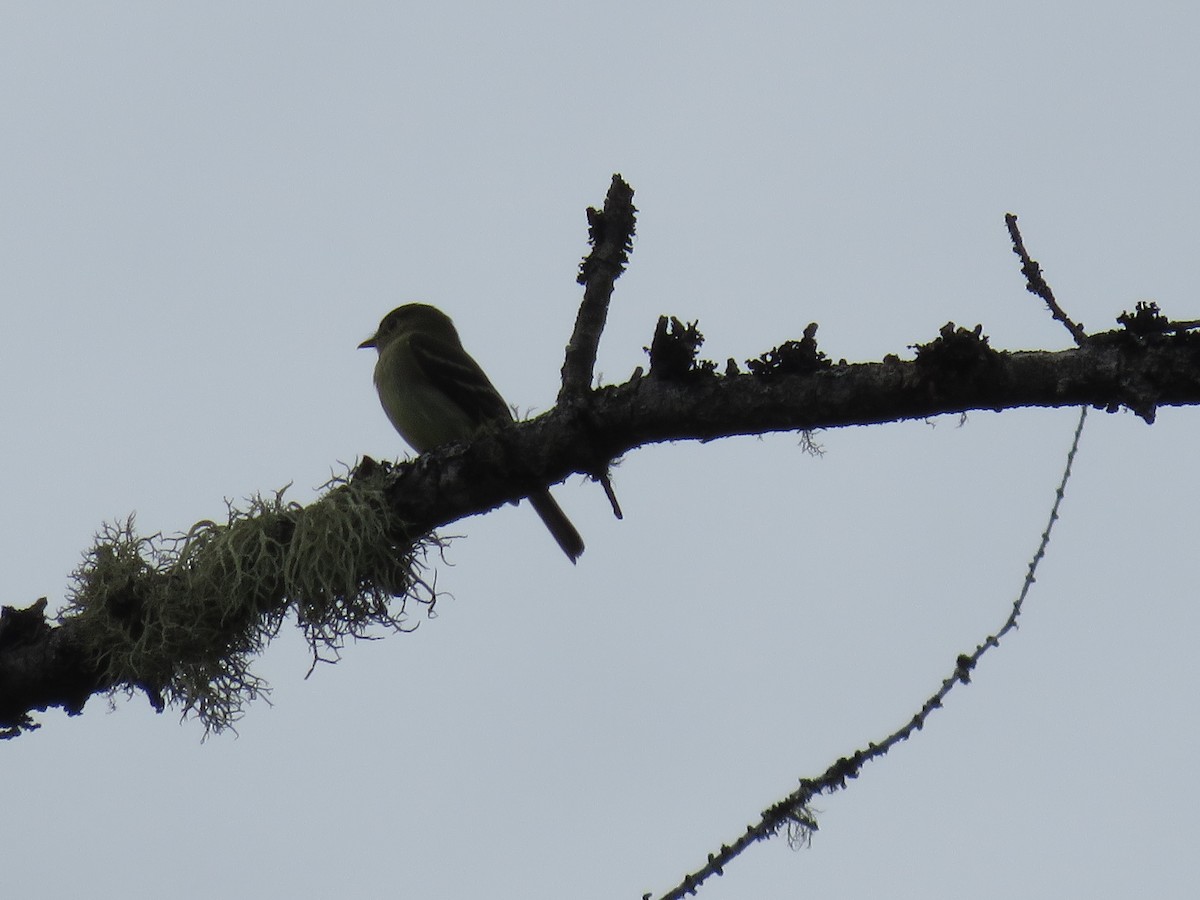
x=1036 y=284
x=610 y=232
x=793 y=810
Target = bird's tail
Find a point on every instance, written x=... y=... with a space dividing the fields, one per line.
x=558 y=523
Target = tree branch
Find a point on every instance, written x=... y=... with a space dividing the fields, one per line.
x=610 y=232
x=1036 y=283
x=1143 y=366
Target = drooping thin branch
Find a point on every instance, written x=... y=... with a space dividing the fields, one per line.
x=610 y=232
x=793 y=810
x=1035 y=282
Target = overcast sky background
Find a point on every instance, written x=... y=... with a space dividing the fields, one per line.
x=205 y=207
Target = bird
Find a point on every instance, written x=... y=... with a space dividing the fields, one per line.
x=433 y=393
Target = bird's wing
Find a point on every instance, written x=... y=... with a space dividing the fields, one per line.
x=453 y=370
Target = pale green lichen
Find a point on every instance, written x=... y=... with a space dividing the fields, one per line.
x=182 y=618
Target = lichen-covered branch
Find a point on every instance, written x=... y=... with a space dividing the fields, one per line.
x=180 y=620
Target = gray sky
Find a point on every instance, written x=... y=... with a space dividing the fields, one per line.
x=207 y=206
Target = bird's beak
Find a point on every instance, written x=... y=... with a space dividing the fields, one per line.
x=369 y=342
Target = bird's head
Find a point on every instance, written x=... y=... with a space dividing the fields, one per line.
x=412 y=318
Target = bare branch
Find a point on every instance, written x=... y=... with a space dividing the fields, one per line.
x=1035 y=282
x=610 y=232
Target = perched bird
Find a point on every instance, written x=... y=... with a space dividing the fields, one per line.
x=434 y=392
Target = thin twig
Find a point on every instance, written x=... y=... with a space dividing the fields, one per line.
x=611 y=494
x=1035 y=282
x=793 y=810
